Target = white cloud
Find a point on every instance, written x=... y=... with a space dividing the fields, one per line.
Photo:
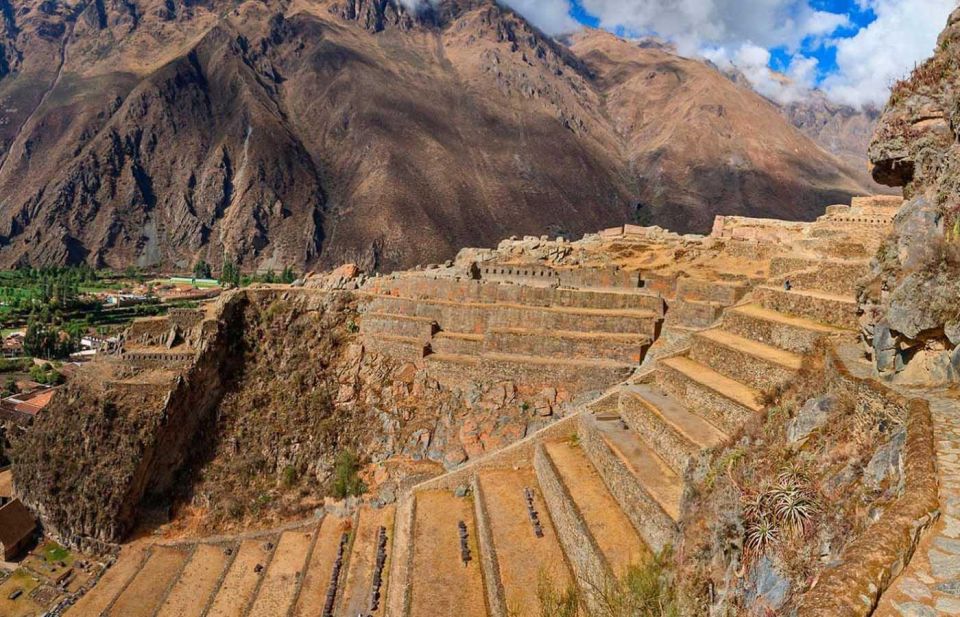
x=754 y=62
x=551 y=16
x=904 y=33
x=698 y=24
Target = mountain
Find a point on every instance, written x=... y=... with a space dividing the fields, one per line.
x=310 y=132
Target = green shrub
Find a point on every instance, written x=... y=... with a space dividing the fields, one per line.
x=346 y=482
x=645 y=590
x=289 y=476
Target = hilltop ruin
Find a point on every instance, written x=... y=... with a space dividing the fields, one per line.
x=543 y=409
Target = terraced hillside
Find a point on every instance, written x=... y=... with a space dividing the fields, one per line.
x=576 y=503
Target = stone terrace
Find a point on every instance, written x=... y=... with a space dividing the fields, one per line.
x=514 y=322
x=579 y=501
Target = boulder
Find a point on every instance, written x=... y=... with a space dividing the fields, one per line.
x=886 y=462
x=814 y=414
x=884 y=349
x=767 y=588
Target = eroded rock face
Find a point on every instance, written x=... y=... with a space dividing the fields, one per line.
x=309 y=134
x=914 y=296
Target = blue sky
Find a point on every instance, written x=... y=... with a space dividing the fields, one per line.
x=852 y=50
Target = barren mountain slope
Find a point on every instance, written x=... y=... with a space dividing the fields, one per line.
x=316 y=131
x=698 y=137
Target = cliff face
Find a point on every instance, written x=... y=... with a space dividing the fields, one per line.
x=247 y=432
x=321 y=131
x=112 y=438
x=912 y=306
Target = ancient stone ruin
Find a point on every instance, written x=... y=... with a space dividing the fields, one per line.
x=655 y=350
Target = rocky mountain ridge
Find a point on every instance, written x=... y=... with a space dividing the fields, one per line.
x=313 y=132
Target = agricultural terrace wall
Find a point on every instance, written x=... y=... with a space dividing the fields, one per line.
x=756 y=229
x=466 y=290
x=871 y=562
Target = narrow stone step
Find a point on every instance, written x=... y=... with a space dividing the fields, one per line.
x=670 y=428
x=830 y=309
x=397 y=324
x=724 y=292
x=626 y=348
x=149 y=587
x=725 y=403
x=240 y=585
x=198 y=581
x=695 y=313
x=744 y=360
x=458 y=343
x=643 y=484
x=358 y=585
x=441 y=583
x=610 y=527
x=525 y=559
x=788 y=332
x=278 y=589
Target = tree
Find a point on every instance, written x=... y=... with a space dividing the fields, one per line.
x=288 y=275
x=230 y=274
x=202 y=270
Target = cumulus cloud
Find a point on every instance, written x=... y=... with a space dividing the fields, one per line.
x=551 y=16
x=754 y=62
x=904 y=33
x=697 y=24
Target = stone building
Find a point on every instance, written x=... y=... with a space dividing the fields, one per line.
x=17 y=529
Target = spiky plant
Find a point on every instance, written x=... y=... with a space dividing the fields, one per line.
x=762 y=532
x=794 y=508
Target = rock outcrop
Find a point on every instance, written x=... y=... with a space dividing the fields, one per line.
x=912 y=304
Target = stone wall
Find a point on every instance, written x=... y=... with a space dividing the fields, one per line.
x=539 y=276
x=587 y=561
x=496 y=601
x=600 y=278
x=651 y=521
x=871 y=562
x=756 y=229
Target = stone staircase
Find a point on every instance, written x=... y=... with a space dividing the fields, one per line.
x=575 y=504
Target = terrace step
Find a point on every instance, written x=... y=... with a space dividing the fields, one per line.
x=725 y=403
x=747 y=361
x=240 y=585
x=670 y=428
x=590 y=504
x=643 y=484
x=788 y=332
x=524 y=559
x=397 y=324
x=836 y=276
x=197 y=583
x=460 y=343
x=723 y=292
x=627 y=348
x=148 y=589
x=440 y=582
x=829 y=309
x=402 y=347
x=695 y=313
x=319 y=569
x=358 y=584
x=96 y=601
x=278 y=589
